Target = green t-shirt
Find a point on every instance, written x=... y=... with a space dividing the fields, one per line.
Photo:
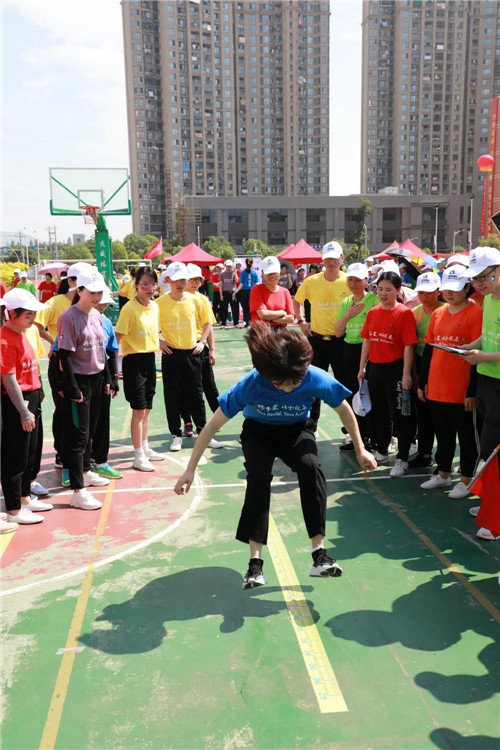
x=28 y=286
x=355 y=324
x=490 y=336
x=422 y=320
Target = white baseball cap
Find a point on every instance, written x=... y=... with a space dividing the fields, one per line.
x=80 y=267
x=358 y=270
x=17 y=270
x=228 y=262
x=453 y=279
x=460 y=258
x=177 y=271
x=21 y=298
x=270 y=264
x=194 y=271
x=361 y=402
x=24 y=274
x=92 y=280
x=428 y=282
x=332 y=249
x=388 y=265
x=480 y=259
x=106 y=298
x=142 y=264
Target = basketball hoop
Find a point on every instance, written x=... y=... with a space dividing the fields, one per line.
x=89 y=214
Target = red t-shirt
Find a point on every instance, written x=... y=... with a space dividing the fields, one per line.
x=3 y=289
x=18 y=358
x=215 y=281
x=206 y=273
x=47 y=290
x=388 y=332
x=262 y=299
x=15 y=282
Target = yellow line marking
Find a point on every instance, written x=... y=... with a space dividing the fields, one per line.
x=473 y=591
x=323 y=680
x=5 y=540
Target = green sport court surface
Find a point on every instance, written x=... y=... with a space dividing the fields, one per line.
x=127 y=628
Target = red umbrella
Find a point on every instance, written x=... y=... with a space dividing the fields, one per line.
x=301 y=253
x=194 y=254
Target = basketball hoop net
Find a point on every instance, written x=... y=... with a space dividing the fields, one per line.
x=89 y=214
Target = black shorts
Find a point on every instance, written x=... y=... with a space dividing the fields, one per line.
x=139 y=380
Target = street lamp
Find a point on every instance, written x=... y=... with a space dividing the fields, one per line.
x=458 y=231
x=436 y=208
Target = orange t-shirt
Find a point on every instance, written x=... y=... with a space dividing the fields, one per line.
x=449 y=374
x=478 y=298
x=388 y=332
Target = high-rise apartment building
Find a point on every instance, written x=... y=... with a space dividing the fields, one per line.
x=430 y=70
x=224 y=98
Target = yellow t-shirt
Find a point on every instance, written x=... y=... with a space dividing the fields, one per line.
x=50 y=315
x=139 y=327
x=205 y=304
x=325 y=298
x=181 y=321
x=128 y=289
x=33 y=336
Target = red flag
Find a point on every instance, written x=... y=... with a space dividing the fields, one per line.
x=155 y=251
x=487 y=487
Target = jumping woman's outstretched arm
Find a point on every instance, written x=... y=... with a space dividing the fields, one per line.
x=212 y=426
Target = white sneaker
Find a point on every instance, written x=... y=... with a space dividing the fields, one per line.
x=38 y=489
x=153 y=455
x=141 y=463
x=84 y=500
x=393 y=445
x=380 y=458
x=176 y=444
x=347 y=440
x=486 y=534
x=36 y=505
x=399 y=469
x=474 y=510
x=413 y=449
x=459 y=491
x=24 y=516
x=91 y=479
x=436 y=482
x=6 y=527
x=215 y=444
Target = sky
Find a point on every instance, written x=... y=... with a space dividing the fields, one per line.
x=63 y=105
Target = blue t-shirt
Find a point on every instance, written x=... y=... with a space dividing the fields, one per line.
x=111 y=344
x=260 y=400
x=248 y=280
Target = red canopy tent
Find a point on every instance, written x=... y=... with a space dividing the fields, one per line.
x=409 y=250
x=300 y=253
x=194 y=254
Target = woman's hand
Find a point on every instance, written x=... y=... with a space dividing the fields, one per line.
x=469 y=404
x=306 y=328
x=107 y=389
x=406 y=382
x=183 y=484
x=352 y=311
x=422 y=395
x=198 y=348
x=361 y=374
x=164 y=348
x=211 y=357
x=28 y=425
x=474 y=357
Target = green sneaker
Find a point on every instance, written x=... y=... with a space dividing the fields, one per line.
x=65 y=478
x=105 y=470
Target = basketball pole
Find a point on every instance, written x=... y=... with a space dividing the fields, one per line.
x=104 y=253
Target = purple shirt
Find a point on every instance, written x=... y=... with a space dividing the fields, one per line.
x=227 y=281
x=84 y=336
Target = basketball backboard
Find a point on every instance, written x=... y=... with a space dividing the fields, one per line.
x=71 y=189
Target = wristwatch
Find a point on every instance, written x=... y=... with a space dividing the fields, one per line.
x=300 y=321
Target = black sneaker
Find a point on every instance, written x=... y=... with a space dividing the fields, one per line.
x=346 y=447
x=324 y=566
x=254 y=575
x=58 y=462
x=420 y=461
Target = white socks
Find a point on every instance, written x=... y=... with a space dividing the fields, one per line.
x=139 y=452
x=145 y=445
x=320 y=546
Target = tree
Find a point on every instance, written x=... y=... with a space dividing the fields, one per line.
x=492 y=240
x=355 y=254
x=75 y=252
x=460 y=249
x=360 y=235
x=257 y=246
x=219 y=247
x=139 y=244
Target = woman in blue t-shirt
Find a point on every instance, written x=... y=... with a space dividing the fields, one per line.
x=276 y=399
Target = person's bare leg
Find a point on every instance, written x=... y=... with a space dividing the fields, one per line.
x=317 y=541
x=136 y=427
x=255 y=549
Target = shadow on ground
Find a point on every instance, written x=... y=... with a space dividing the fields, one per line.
x=448 y=739
x=138 y=623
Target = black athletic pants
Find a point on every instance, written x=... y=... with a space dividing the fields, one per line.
x=216 y=303
x=19 y=450
x=425 y=426
x=57 y=417
x=326 y=353
x=488 y=406
x=450 y=420
x=100 y=439
x=182 y=374
x=226 y=302
x=351 y=355
x=209 y=388
x=385 y=387
x=80 y=422
x=296 y=446
x=245 y=304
